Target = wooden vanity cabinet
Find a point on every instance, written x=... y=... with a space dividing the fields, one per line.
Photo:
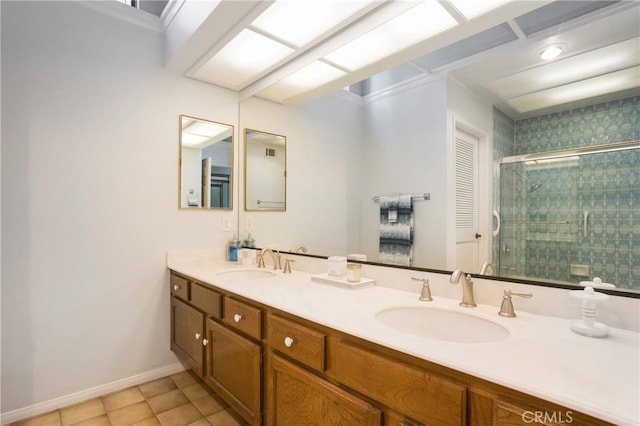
x=314 y=375
x=302 y=398
x=187 y=334
x=234 y=370
x=510 y=408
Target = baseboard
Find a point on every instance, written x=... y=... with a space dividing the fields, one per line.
x=63 y=401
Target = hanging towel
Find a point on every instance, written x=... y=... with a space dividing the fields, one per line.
x=396 y=230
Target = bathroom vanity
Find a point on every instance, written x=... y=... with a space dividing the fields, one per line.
x=283 y=350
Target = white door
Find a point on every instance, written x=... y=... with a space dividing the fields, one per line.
x=206 y=182
x=466 y=196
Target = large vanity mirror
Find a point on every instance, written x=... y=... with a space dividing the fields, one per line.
x=548 y=215
x=265 y=171
x=206 y=164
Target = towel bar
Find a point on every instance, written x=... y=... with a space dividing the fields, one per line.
x=425 y=196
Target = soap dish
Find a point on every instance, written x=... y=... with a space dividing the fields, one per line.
x=325 y=278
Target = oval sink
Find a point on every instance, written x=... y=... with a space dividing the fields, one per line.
x=441 y=324
x=246 y=274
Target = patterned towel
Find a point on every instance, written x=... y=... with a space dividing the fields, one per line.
x=396 y=230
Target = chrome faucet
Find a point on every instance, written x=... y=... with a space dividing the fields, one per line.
x=467 y=287
x=274 y=256
x=485 y=267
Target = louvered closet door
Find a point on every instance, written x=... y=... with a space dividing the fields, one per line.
x=466 y=187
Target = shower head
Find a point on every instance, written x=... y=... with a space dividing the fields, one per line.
x=534 y=186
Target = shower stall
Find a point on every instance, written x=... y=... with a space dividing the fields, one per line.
x=568 y=216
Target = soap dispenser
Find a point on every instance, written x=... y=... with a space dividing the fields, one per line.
x=232 y=249
x=587 y=326
x=249 y=242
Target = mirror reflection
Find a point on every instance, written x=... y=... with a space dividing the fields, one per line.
x=264 y=171
x=563 y=221
x=206 y=164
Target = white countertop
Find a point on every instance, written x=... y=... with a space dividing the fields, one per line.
x=541 y=356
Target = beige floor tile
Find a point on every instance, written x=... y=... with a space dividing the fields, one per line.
x=167 y=401
x=122 y=398
x=102 y=420
x=129 y=415
x=195 y=391
x=157 y=387
x=151 y=421
x=180 y=416
x=201 y=422
x=223 y=418
x=83 y=411
x=49 y=419
x=184 y=378
x=208 y=405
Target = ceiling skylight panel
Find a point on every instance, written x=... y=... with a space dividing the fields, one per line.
x=472 y=8
x=596 y=86
x=242 y=59
x=313 y=75
x=300 y=21
x=415 y=25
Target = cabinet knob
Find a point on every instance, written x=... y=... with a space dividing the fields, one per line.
x=237 y=317
x=204 y=342
x=176 y=287
x=198 y=336
x=288 y=341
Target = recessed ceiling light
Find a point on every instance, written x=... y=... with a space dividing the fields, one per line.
x=551 y=52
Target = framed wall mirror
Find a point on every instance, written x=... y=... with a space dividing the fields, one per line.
x=265 y=171
x=206 y=164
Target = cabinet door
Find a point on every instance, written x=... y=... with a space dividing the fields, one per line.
x=301 y=398
x=187 y=334
x=234 y=370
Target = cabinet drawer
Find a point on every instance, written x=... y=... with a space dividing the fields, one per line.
x=206 y=300
x=243 y=317
x=407 y=389
x=300 y=343
x=179 y=286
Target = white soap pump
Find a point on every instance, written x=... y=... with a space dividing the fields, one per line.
x=587 y=326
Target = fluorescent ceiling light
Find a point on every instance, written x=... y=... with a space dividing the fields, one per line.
x=299 y=22
x=199 y=133
x=416 y=24
x=609 y=83
x=551 y=52
x=246 y=56
x=313 y=75
x=579 y=67
x=472 y=8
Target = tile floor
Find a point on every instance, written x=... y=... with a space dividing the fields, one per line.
x=177 y=400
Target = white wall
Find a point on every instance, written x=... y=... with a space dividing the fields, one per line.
x=322 y=142
x=404 y=144
x=89 y=198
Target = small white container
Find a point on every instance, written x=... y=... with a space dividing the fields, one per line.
x=337 y=266
x=247 y=257
x=353 y=272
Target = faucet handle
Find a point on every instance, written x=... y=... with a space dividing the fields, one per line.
x=287 y=266
x=506 y=309
x=260 y=261
x=425 y=294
